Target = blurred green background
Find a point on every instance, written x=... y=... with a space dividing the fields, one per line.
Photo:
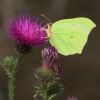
x=81 y=73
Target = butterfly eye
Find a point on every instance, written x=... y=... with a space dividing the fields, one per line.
x=46 y=27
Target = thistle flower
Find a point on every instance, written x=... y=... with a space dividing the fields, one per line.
x=27 y=32
x=50 y=59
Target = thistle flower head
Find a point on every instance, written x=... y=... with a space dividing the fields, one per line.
x=28 y=31
x=50 y=59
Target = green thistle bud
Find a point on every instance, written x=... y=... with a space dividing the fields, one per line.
x=9 y=64
x=53 y=88
x=44 y=74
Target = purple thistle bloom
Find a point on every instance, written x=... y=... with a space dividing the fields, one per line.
x=50 y=59
x=27 y=32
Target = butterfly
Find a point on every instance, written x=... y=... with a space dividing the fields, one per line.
x=69 y=36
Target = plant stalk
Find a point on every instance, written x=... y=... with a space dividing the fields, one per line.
x=11 y=88
x=45 y=97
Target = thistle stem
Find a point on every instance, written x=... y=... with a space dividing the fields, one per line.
x=11 y=80
x=11 y=88
x=45 y=97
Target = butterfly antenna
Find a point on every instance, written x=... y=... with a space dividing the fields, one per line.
x=46 y=18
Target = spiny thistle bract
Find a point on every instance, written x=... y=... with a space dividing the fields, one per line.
x=44 y=74
x=54 y=87
x=47 y=83
x=27 y=32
